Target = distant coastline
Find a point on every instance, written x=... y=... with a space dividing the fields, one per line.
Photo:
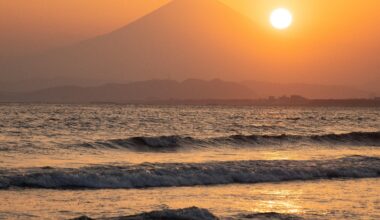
x=282 y=101
x=198 y=92
x=268 y=102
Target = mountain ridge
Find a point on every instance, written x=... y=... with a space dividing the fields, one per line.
x=179 y=40
x=166 y=89
x=171 y=41
x=143 y=90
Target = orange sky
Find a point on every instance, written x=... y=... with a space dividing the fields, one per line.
x=349 y=28
x=27 y=26
x=30 y=25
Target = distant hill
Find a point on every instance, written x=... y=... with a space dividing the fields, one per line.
x=260 y=89
x=183 y=39
x=191 y=89
x=136 y=91
x=202 y=39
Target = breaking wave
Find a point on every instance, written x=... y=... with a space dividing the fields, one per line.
x=189 y=174
x=195 y=213
x=192 y=213
x=170 y=143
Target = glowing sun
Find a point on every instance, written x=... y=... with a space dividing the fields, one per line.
x=281 y=18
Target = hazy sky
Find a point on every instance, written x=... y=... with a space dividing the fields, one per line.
x=350 y=29
x=27 y=26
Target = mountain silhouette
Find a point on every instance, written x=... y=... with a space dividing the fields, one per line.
x=150 y=91
x=202 y=39
x=191 y=89
x=183 y=39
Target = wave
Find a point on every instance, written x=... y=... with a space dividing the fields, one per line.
x=189 y=174
x=268 y=216
x=161 y=143
x=195 y=213
x=192 y=213
x=175 y=142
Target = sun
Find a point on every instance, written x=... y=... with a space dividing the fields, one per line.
x=281 y=18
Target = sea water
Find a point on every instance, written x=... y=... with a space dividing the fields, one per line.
x=63 y=161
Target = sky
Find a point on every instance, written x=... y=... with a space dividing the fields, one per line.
x=30 y=26
x=27 y=26
x=349 y=28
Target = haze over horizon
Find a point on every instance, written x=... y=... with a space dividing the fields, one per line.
x=184 y=39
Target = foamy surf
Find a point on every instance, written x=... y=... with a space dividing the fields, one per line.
x=189 y=174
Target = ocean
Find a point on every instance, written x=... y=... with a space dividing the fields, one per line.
x=61 y=161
